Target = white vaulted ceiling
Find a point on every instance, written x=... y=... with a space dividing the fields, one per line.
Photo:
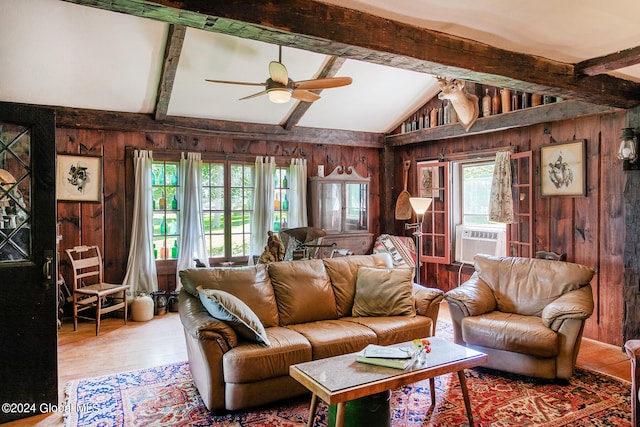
x=57 y=53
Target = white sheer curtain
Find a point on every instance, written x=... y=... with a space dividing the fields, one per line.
x=298 y=193
x=264 y=176
x=141 y=266
x=191 y=226
x=501 y=201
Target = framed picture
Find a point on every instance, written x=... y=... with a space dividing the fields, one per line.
x=78 y=178
x=430 y=180
x=563 y=169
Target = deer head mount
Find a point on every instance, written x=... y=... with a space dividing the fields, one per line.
x=465 y=104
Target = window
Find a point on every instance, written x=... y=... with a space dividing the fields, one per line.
x=213 y=213
x=476 y=191
x=227 y=208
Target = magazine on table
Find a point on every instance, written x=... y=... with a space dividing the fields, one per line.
x=387 y=352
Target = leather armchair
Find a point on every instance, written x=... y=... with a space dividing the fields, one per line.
x=632 y=348
x=526 y=314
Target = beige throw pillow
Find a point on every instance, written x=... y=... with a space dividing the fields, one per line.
x=384 y=292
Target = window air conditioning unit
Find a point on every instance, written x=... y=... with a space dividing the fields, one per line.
x=472 y=240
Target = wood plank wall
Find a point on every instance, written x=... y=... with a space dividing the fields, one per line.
x=591 y=229
x=108 y=223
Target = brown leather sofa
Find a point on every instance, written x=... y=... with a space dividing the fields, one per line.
x=526 y=314
x=306 y=310
x=632 y=347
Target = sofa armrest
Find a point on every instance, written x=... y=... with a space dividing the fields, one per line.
x=198 y=323
x=427 y=302
x=473 y=297
x=577 y=304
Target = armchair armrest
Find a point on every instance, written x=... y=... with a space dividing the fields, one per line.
x=577 y=304
x=198 y=323
x=473 y=297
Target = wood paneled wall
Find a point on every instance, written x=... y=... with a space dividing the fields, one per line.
x=108 y=223
x=591 y=229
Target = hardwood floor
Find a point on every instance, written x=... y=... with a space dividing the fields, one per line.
x=160 y=341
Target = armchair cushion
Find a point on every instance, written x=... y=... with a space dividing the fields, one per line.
x=511 y=332
x=384 y=292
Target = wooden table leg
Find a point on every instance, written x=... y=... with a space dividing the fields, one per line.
x=312 y=409
x=465 y=395
x=432 y=386
x=340 y=410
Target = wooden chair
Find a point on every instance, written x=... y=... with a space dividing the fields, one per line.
x=551 y=255
x=632 y=348
x=89 y=290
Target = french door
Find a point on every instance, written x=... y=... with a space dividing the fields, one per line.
x=28 y=294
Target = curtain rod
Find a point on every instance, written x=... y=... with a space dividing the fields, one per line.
x=470 y=154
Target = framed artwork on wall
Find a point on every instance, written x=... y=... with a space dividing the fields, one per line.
x=430 y=180
x=78 y=178
x=563 y=169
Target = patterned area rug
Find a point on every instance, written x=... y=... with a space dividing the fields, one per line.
x=167 y=396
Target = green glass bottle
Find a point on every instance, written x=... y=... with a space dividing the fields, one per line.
x=285 y=183
x=174 y=203
x=174 y=249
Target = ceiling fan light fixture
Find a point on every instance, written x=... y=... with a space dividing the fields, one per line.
x=279 y=96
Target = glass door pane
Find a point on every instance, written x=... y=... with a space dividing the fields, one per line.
x=330 y=207
x=15 y=192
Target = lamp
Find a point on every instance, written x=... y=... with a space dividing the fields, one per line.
x=628 y=150
x=419 y=206
x=279 y=96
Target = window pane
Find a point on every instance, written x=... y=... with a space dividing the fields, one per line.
x=476 y=190
x=164 y=193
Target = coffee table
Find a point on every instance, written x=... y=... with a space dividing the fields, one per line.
x=337 y=380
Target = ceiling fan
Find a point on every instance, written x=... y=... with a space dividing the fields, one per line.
x=280 y=88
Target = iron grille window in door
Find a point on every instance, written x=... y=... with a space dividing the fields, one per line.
x=15 y=192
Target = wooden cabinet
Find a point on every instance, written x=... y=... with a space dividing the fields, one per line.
x=340 y=206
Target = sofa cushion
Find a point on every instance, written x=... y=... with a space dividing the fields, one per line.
x=526 y=285
x=252 y=362
x=303 y=291
x=227 y=308
x=511 y=332
x=395 y=329
x=343 y=272
x=330 y=338
x=384 y=292
x=251 y=284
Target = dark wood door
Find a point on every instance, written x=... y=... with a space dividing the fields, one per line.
x=28 y=294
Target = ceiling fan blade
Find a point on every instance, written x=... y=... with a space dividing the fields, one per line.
x=254 y=95
x=305 y=95
x=278 y=72
x=236 y=83
x=323 y=83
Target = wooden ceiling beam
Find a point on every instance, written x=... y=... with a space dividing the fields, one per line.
x=338 y=31
x=611 y=62
x=67 y=117
x=330 y=69
x=175 y=40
